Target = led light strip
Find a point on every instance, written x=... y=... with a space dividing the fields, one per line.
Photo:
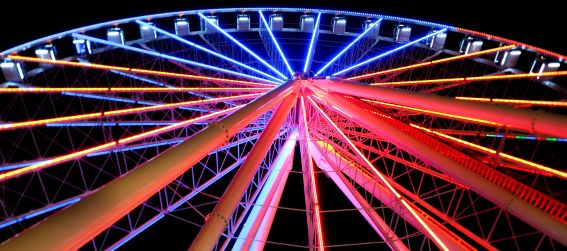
x=204 y=49
x=516 y=101
x=500 y=154
x=128 y=89
x=435 y=113
x=135 y=70
x=209 y=22
x=75 y=155
x=370 y=27
x=471 y=79
x=430 y=63
x=386 y=53
x=11 y=126
x=383 y=179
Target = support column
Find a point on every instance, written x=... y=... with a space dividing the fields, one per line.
x=278 y=174
x=383 y=194
x=76 y=225
x=506 y=200
x=314 y=225
x=217 y=220
x=536 y=122
x=379 y=225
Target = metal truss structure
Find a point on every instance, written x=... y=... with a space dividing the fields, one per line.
x=234 y=123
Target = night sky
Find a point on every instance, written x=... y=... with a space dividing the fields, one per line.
x=539 y=23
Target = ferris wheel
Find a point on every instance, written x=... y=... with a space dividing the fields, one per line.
x=289 y=128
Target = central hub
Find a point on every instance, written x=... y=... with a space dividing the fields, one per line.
x=300 y=76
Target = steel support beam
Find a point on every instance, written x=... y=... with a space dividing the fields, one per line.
x=265 y=226
x=76 y=225
x=313 y=211
x=217 y=220
x=536 y=122
x=365 y=209
x=389 y=199
x=348 y=158
x=506 y=200
x=279 y=173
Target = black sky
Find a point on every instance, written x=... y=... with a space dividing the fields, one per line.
x=541 y=23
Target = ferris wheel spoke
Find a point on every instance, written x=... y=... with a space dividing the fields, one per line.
x=124 y=148
x=136 y=70
x=131 y=89
x=135 y=197
x=403 y=206
x=209 y=22
x=120 y=112
x=528 y=165
x=465 y=80
x=173 y=58
x=350 y=68
x=173 y=206
x=275 y=42
x=312 y=45
x=116 y=99
x=208 y=51
x=263 y=197
x=547 y=123
x=493 y=134
x=310 y=189
x=411 y=164
x=82 y=153
x=431 y=152
x=250 y=201
x=216 y=224
x=333 y=170
x=430 y=63
x=390 y=198
x=153 y=82
x=362 y=177
x=517 y=102
x=350 y=45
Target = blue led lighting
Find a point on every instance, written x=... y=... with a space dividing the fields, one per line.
x=20 y=165
x=165 y=56
x=372 y=26
x=132 y=148
x=386 y=53
x=153 y=82
x=187 y=42
x=39 y=212
x=311 y=50
x=275 y=41
x=242 y=46
x=125 y=100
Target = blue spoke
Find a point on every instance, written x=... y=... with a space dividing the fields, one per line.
x=209 y=22
x=311 y=50
x=275 y=41
x=153 y=82
x=35 y=213
x=201 y=48
x=165 y=56
x=372 y=26
x=386 y=53
x=127 y=100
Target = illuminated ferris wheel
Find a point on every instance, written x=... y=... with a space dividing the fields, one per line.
x=409 y=135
